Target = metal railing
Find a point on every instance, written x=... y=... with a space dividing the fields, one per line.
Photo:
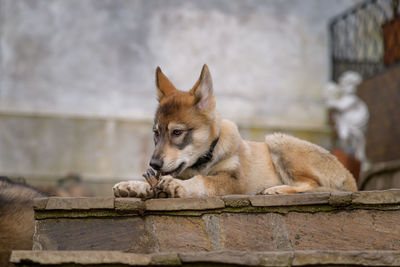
x=366 y=38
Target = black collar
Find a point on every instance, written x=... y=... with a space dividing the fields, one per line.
x=205 y=158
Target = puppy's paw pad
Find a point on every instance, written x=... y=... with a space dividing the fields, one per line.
x=120 y=191
x=132 y=189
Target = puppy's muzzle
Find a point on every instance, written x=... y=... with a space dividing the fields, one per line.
x=156 y=163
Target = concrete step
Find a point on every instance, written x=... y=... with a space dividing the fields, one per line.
x=216 y=258
x=362 y=221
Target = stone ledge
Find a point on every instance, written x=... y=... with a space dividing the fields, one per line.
x=335 y=200
x=246 y=258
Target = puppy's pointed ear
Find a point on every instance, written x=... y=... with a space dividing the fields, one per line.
x=203 y=90
x=164 y=86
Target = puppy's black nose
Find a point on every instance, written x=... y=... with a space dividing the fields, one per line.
x=156 y=163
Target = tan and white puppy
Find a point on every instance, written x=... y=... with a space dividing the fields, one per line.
x=200 y=154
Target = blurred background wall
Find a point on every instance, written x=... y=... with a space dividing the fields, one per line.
x=77 y=90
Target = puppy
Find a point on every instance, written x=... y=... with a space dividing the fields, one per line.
x=199 y=154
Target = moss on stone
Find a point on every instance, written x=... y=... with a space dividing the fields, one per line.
x=382 y=207
x=281 y=209
x=54 y=214
x=166 y=259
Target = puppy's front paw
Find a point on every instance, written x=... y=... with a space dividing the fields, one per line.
x=133 y=189
x=277 y=190
x=173 y=187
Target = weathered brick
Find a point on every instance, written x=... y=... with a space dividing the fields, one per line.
x=344 y=230
x=290 y=199
x=184 y=204
x=79 y=203
x=255 y=232
x=176 y=233
x=94 y=234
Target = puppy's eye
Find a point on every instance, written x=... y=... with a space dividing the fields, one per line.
x=156 y=134
x=177 y=132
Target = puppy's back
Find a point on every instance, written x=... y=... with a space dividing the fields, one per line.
x=293 y=158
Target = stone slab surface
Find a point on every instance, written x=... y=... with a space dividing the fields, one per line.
x=226 y=258
x=391 y=196
x=79 y=257
x=363 y=258
x=290 y=200
x=255 y=232
x=275 y=258
x=184 y=204
x=129 y=204
x=340 y=198
x=40 y=203
x=79 y=203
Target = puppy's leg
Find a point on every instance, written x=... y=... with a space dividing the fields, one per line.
x=297 y=187
x=323 y=189
x=133 y=189
x=198 y=186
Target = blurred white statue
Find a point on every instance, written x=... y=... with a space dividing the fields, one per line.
x=350 y=114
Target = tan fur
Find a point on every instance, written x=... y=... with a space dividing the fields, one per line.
x=281 y=165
